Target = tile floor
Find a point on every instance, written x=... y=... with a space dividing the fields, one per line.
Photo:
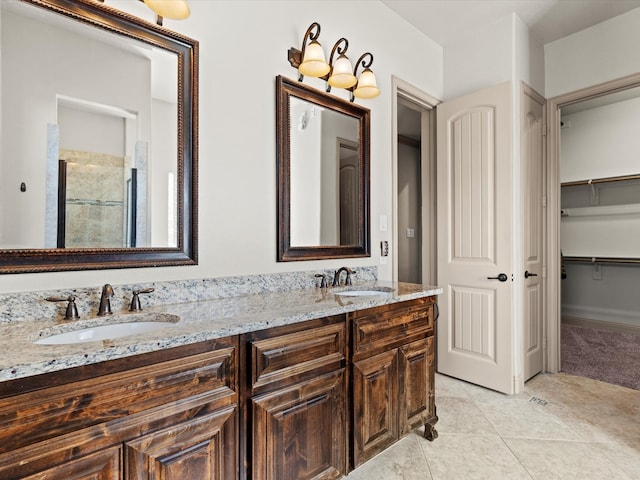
x=560 y=427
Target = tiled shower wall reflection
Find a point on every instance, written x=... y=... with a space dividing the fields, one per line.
x=96 y=200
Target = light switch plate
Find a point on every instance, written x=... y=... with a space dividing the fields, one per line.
x=383 y=223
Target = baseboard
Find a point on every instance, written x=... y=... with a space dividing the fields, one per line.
x=628 y=316
x=602 y=324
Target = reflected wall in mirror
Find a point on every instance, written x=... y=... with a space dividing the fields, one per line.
x=99 y=139
x=323 y=175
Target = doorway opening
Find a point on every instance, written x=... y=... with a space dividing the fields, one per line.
x=556 y=245
x=414 y=191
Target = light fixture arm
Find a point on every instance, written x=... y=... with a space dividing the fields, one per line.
x=364 y=64
x=158 y=17
x=341 y=51
x=310 y=35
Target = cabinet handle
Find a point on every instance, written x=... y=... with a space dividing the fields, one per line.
x=502 y=277
x=527 y=274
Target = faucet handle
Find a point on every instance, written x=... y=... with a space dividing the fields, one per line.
x=323 y=281
x=72 y=310
x=135 y=300
x=348 y=279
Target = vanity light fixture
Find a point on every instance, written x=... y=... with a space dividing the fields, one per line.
x=366 y=87
x=310 y=61
x=173 y=9
x=341 y=75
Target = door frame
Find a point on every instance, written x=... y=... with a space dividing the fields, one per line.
x=554 y=301
x=528 y=91
x=400 y=88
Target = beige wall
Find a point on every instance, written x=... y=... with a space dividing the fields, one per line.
x=594 y=55
x=243 y=46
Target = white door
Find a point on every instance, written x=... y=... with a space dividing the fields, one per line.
x=533 y=164
x=474 y=172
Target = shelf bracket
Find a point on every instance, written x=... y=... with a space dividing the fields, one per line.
x=595 y=194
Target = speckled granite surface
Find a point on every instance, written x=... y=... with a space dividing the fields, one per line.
x=15 y=307
x=202 y=317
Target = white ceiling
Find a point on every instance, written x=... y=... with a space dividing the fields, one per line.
x=548 y=20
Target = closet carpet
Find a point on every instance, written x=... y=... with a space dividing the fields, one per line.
x=611 y=357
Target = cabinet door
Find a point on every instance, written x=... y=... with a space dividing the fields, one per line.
x=299 y=432
x=416 y=384
x=375 y=395
x=103 y=465
x=200 y=449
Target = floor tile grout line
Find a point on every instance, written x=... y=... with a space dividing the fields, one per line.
x=424 y=453
x=517 y=458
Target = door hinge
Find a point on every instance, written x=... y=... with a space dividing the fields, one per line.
x=544 y=129
x=544 y=200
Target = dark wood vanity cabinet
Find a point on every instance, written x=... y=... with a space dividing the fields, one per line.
x=306 y=422
x=297 y=401
x=309 y=400
x=392 y=375
x=170 y=415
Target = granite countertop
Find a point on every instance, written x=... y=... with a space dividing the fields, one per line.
x=198 y=321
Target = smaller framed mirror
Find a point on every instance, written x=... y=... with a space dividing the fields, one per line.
x=323 y=175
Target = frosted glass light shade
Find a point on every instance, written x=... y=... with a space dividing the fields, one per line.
x=313 y=64
x=173 y=9
x=367 y=87
x=342 y=75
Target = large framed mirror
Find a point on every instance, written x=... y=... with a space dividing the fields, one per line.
x=323 y=175
x=98 y=165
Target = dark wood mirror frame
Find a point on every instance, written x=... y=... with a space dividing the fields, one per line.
x=186 y=50
x=286 y=88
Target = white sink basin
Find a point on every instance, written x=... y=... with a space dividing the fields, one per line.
x=110 y=331
x=363 y=293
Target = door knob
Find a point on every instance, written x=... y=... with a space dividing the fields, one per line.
x=502 y=277
x=527 y=274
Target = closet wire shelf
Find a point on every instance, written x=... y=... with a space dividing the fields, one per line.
x=629 y=209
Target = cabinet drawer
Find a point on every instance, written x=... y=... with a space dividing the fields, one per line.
x=36 y=416
x=390 y=326
x=103 y=465
x=289 y=358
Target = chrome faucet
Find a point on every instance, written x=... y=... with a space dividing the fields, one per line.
x=105 y=300
x=336 y=277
